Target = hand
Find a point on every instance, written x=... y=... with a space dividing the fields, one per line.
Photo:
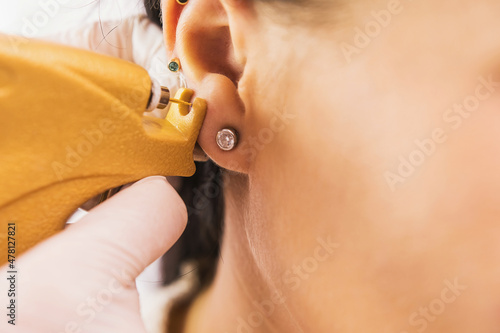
x=83 y=279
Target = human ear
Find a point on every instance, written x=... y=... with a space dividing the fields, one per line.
x=199 y=35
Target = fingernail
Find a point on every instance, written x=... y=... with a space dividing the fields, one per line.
x=147 y=179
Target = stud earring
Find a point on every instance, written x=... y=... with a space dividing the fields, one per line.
x=175 y=67
x=182 y=2
x=226 y=139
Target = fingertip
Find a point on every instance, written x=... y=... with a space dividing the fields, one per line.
x=159 y=179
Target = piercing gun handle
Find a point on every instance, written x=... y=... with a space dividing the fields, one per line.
x=85 y=131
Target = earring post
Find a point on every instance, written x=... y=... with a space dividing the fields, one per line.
x=178 y=101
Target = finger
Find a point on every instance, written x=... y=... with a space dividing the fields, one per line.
x=130 y=230
x=142 y=222
x=101 y=255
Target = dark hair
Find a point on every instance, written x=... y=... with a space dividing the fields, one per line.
x=203 y=195
x=153 y=10
x=200 y=243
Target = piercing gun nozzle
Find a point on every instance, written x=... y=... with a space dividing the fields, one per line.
x=160 y=97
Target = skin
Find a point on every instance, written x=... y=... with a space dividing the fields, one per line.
x=83 y=278
x=414 y=255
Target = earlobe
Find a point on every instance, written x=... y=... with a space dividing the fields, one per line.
x=225 y=111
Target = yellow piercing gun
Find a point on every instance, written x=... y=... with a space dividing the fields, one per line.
x=73 y=125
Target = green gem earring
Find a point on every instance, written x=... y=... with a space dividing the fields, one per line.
x=174 y=65
x=182 y=2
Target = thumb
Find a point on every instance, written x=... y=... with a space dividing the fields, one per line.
x=100 y=255
x=133 y=228
x=125 y=233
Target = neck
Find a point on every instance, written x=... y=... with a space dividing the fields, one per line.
x=241 y=297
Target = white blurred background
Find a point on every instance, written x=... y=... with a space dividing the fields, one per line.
x=36 y=18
